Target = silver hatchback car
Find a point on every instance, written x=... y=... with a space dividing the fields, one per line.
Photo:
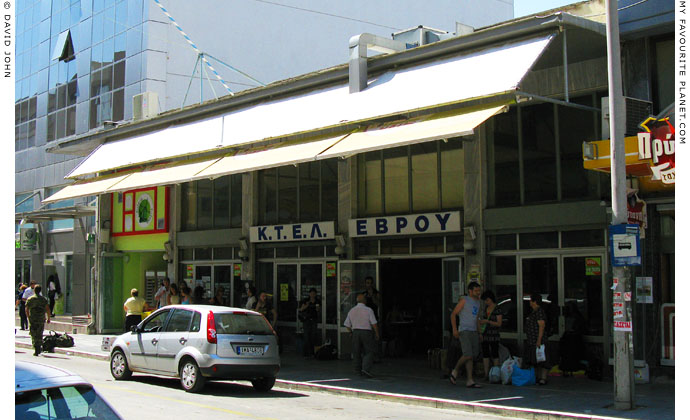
x=199 y=342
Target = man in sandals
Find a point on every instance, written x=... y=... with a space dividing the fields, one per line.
x=468 y=310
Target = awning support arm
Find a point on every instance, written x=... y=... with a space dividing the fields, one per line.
x=521 y=96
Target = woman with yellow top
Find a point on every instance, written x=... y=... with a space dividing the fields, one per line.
x=134 y=307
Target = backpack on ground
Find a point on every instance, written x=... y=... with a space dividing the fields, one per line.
x=326 y=352
x=54 y=339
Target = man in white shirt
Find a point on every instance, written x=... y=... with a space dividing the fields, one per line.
x=361 y=323
x=161 y=295
x=29 y=291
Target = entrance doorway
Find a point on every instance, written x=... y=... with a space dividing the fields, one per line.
x=412 y=305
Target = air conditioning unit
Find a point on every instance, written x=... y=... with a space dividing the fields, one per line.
x=144 y=105
x=636 y=112
x=28 y=238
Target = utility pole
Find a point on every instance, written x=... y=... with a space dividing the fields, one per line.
x=624 y=383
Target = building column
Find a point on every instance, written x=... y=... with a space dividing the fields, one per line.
x=250 y=217
x=475 y=190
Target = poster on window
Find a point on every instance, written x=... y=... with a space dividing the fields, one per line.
x=643 y=290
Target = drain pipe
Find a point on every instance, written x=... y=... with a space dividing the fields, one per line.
x=359 y=45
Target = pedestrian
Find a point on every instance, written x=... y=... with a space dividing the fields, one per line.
x=309 y=315
x=489 y=330
x=218 y=299
x=264 y=306
x=251 y=298
x=186 y=298
x=468 y=310
x=161 y=295
x=173 y=295
x=134 y=308
x=23 y=320
x=372 y=295
x=198 y=296
x=29 y=291
x=362 y=324
x=53 y=291
x=37 y=309
x=535 y=326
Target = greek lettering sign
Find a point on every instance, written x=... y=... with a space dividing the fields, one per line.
x=625 y=245
x=622 y=326
x=296 y=232
x=412 y=224
x=658 y=145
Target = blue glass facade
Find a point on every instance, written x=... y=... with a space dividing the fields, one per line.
x=60 y=97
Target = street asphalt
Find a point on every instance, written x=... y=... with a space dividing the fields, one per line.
x=412 y=381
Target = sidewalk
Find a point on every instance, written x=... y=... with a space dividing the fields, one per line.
x=413 y=382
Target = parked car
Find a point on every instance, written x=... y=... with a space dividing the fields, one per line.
x=46 y=392
x=196 y=343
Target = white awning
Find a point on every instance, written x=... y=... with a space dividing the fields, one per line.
x=477 y=74
x=84 y=189
x=176 y=174
x=403 y=133
x=172 y=142
x=268 y=158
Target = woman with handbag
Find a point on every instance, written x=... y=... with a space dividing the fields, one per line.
x=535 y=326
x=489 y=326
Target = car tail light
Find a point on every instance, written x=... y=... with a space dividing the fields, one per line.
x=211 y=328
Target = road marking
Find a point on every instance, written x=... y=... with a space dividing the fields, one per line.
x=328 y=380
x=209 y=407
x=498 y=399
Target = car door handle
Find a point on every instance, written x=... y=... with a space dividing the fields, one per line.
x=182 y=340
x=154 y=341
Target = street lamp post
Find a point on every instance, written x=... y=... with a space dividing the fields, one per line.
x=624 y=384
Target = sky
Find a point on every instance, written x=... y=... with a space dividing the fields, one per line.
x=527 y=7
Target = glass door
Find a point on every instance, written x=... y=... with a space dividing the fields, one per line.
x=286 y=277
x=583 y=304
x=351 y=280
x=538 y=275
x=222 y=277
x=452 y=289
x=202 y=277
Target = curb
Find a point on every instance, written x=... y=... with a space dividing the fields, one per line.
x=476 y=408
x=470 y=407
x=69 y=352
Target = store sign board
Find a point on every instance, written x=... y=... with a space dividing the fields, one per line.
x=593 y=266
x=625 y=245
x=657 y=144
x=295 y=232
x=411 y=224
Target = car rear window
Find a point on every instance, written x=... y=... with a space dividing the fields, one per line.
x=68 y=402
x=241 y=323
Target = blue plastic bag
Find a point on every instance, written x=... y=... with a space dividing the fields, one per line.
x=522 y=377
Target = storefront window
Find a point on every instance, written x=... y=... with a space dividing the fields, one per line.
x=59 y=224
x=396 y=184
x=427 y=245
x=575 y=126
x=539 y=153
x=424 y=177
x=309 y=177
x=306 y=193
x=503 y=242
x=582 y=238
x=503 y=273
x=663 y=72
x=452 y=174
x=212 y=204
x=540 y=240
x=370 y=184
x=287 y=194
x=504 y=158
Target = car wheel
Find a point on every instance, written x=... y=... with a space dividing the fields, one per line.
x=118 y=366
x=263 y=384
x=190 y=376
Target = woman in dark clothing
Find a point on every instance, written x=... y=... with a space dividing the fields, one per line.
x=489 y=330
x=23 y=320
x=535 y=327
x=309 y=313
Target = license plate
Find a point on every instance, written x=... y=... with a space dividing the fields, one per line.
x=250 y=350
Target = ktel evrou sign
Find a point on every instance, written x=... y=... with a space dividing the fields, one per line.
x=296 y=232
x=410 y=224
